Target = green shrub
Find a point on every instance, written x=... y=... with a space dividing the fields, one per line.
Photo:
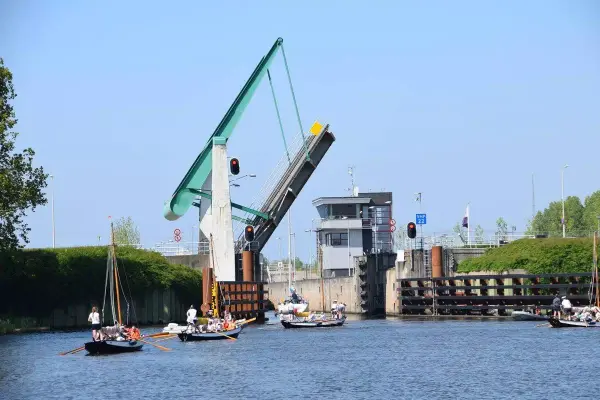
x=536 y=256
x=34 y=282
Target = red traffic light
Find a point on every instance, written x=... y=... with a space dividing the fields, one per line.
x=234 y=166
x=411 y=230
x=249 y=233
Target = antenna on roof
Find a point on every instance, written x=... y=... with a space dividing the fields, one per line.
x=353 y=190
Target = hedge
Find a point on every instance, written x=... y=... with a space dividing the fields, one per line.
x=34 y=282
x=536 y=256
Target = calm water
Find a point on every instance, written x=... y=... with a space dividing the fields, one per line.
x=382 y=359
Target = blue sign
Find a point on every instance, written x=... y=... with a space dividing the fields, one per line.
x=421 y=219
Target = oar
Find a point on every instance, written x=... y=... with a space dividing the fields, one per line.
x=155 y=345
x=72 y=351
x=227 y=336
x=158 y=334
x=167 y=338
x=248 y=321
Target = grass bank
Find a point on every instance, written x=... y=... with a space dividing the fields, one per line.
x=34 y=282
x=536 y=256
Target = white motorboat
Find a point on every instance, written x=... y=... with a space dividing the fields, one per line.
x=287 y=307
x=528 y=316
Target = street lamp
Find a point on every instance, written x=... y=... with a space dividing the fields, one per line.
x=310 y=256
x=243 y=176
x=562 y=190
x=53 y=229
x=348 y=242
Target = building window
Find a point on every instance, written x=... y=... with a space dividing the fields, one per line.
x=337 y=239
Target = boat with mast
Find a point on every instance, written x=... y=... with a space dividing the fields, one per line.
x=216 y=329
x=587 y=319
x=113 y=338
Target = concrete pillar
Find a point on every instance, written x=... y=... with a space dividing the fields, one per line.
x=222 y=228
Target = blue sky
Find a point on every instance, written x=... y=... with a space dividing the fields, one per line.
x=461 y=101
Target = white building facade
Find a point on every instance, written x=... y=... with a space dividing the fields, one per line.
x=349 y=227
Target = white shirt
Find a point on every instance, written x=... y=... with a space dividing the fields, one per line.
x=334 y=306
x=566 y=303
x=94 y=318
x=191 y=314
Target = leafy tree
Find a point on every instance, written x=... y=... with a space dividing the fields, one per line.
x=591 y=211
x=298 y=263
x=502 y=228
x=20 y=183
x=479 y=234
x=548 y=221
x=459 y=230
x=126 y=232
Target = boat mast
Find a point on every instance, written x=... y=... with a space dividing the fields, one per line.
x=114 y=255
x=214 y=288
x=596 y=269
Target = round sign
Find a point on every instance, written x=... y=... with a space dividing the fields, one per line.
x=177 y=238
x=392 y=222
x=392 y=228
x=177 y=232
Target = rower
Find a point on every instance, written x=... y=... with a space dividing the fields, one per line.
x=556 y=307
x=334 y=309
x=191 y=316
x=566 y=305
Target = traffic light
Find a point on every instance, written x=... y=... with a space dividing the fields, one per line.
x=412 y=230
x=234 y=166
x=249 y=233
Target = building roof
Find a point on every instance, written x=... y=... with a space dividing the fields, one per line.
x=341 y=200
x=373 y=198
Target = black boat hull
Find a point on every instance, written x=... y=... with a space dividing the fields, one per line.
x=198 y=337
x=113 y=346
x=314 y=324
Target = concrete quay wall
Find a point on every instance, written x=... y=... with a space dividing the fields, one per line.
x=342 y=289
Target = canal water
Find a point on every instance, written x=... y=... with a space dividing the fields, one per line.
x=373 y=359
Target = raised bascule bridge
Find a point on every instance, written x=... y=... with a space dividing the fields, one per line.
x=235 y=241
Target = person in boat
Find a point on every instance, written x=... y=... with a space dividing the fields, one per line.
x=191 y=316
x=566 y=306
x=556 y=303
x=334 y=309
x=94 y=318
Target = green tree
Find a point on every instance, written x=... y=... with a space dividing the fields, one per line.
x=459 y=230
x=298 y=263
x=548 y=221
x=501 y=228
x=479 y=234
x=591 y=211
x=126 y=232
x=20 y=183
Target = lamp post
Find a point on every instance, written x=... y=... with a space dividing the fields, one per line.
x=348 y=243
x=280 y=260
x=310 y=256
x=562 y=190
x=53 y=228
x=193 y=229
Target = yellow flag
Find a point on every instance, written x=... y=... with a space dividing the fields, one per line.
x=316 y=128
